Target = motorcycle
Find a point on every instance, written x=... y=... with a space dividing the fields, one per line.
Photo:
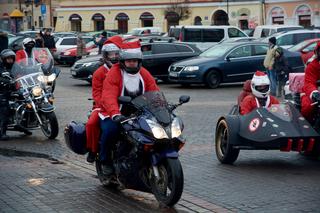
x=145 y=156
x=30 y=104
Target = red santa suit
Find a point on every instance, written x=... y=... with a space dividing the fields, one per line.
x=114 y=86
x=312 y=74
x=93 y=125
x=250 y=102
x=21 y=54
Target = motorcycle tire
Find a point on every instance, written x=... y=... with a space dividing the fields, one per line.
x=171 y=179
x=51 y=127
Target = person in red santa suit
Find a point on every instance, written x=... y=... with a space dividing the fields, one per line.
x=26 y=52
x=127 y=78
x=310 y=88
x=260 y=97
x=110 y=55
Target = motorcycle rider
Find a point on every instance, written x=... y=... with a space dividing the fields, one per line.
x=28 y=45
x=7 y=61
x=260 y=97
x=110 y=54
x=310 y=88
x=127 y=78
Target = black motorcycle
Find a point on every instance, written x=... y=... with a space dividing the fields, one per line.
x=30 y=104
x=145 y=156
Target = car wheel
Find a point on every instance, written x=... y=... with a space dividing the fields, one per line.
x=225 y=152
x=213 y=79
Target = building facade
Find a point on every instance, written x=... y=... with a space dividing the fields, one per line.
x=17 y=15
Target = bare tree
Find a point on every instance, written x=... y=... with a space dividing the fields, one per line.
x=180 y=8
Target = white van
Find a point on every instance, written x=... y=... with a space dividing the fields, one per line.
x=205 y=36
x=267 y=30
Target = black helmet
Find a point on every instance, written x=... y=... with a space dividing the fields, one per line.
x=7 y=53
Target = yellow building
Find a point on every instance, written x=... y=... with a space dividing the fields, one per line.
x=123 y=15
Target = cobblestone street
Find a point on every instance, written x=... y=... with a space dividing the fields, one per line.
x=39 y=175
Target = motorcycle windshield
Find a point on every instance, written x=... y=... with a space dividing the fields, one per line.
x=44 y=57
x=156 y=104
x=27 y=73
x=281 y=111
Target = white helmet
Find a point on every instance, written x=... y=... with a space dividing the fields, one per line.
x=260 y=85
x=28 y=40
x=110 y=48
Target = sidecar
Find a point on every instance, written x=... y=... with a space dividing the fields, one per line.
x=279 y=127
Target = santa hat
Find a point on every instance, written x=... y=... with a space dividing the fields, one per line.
x=131 y=50
x=117 y=40
x=260 y=78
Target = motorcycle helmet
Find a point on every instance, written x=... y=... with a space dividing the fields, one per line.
x=108 y=49
x=28 y=43
x=131 y=51
x=7 y=53
x=260 y=85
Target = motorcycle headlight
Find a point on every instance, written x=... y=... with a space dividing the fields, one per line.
x=157 y=130
x=37 y=91
x=42 y=78
x=51 y=77
x=176 y=127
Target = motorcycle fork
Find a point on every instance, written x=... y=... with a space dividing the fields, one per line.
x=36 y=113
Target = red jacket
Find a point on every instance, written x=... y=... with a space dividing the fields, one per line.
x=21 y=54
x=97 y=83
x=312 y=74
x=113 y=88
x=250 y=103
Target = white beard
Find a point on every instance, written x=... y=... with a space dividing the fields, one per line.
x=131 y=82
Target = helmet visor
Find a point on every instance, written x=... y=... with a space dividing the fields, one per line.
x=262 y=88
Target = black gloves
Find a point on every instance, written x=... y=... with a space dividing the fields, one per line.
x=316 y=97
x=119 y=118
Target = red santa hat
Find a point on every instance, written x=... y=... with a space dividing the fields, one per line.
x=117 y=40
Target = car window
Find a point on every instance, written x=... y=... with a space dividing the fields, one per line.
x=213 y=35
x=86 y=40
x=260 y=49
x=272 y=31
x=310 y=47
x=234 y=32
x=175 y=32
x=265 y=33
x=302 y=37
x=163 y=48
x=285 y=40
x=69 y=41
x=239 y=52
x=184 y=48
x=192 y=35
x=146 y=49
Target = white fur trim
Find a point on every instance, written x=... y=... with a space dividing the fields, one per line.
x=312 y=93
x=131 y=82
x=135 y=50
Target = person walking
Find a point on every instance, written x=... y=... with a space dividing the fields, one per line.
x=282 y=70
x=100 y=41
x=269 y=65
x=81 y=47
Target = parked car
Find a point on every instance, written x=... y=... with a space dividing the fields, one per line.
x=30 y=33
x=268 y=30
x=15 y=43
x=98 y=33
x=157 y=57
x=205 y=36
x=64 y=34
x=69 y=56
x=65 y=43
x=288 y=39
x=249 y=32
x=143 y=31
x=226 y=63
x=306 y=48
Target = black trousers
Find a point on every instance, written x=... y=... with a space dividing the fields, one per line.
x=4 y=111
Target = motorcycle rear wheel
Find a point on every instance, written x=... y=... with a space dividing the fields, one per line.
x=50 y=127
x=168 y=189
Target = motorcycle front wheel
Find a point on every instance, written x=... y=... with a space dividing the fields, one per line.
x=50 y=126
x=169 y=186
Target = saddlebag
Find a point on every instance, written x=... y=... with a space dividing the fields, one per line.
x=75 y=137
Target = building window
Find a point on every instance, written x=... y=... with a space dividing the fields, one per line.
x=98 y=20
x=303 y=14
x=122 y=19
x=75 y=21
x=146 y=19
x=277 y=15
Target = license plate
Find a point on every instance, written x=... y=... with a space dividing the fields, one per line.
x=73 y=72
x=173 y=74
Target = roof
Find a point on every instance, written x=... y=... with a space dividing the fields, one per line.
x=276 y=26
x=16 y=13
x=296 y=32
x=206 y=27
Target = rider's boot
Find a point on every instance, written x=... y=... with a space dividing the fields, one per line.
x=91 y=157
x=3 y=135
x=22 y=129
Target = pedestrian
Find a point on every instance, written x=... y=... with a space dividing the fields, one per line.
x=49 y=41
x=3 y=40
x=81 y=47
x=281 y=69
x=100 y=41
x=269 y=64
x=39 y=41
